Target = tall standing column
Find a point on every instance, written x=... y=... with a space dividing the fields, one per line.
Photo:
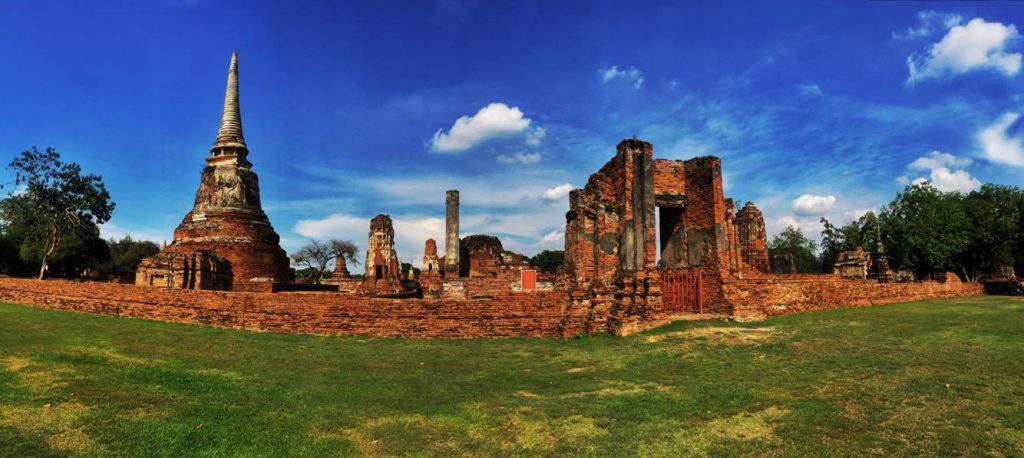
x=451 y=227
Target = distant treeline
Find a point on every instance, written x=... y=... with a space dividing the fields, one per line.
x=925 y=230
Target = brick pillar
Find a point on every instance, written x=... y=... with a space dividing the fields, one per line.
x=451 y=240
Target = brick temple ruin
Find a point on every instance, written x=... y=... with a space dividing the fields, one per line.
x=226 y=241
x=647 y=241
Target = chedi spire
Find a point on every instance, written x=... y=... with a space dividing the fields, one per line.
x=229 y=135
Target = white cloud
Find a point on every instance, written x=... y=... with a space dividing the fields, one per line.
x=333 y=226
x=534 y=136
x=553 y=239
x=937 y=159
x=809 y=204
x=111 y=230
x=929 y=22
x=956 y=180
x=976 y=45
x=1000 y=148
x=493 y=121
x=809 y=89
x=788 y=221
x=631 y=75
x=945 y=172
x=903 y=180
x=557 y=192
x=520 y=158
x=856 y=213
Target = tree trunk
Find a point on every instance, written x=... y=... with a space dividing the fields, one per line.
x=51 y=247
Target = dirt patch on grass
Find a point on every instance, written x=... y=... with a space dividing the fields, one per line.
x=618 y=388
x=577 y=370
x=747 y=426
x=110 y=355
x=475 y=432
x=59 y=424
x=718 y=335
x=703 y=439
x=140 y=413
x=15 y=364
x=527 y=433
x=36 y=377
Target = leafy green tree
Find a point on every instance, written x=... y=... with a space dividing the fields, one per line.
x=125 y=255
x=793 y=241
x=862 y=232
x=54 y=199
x=10 y=258
x=548 y=261
x=925 y=229
x=993 y=213
x=318 y=255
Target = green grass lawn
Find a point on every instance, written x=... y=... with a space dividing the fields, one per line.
x=943 y=377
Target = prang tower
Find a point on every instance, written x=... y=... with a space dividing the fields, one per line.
x=227 y=222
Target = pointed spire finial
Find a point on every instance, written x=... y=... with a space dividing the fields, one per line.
x=229 y=136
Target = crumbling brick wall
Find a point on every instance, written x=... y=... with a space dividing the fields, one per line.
x=501 y=313
x=509 y=314
x=610 y=226
x=758 y=298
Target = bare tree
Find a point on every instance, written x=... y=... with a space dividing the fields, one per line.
x=317 y=255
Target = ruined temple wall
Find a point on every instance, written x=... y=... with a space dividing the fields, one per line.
x=502 y=313
x=669 y=177
x=593 y=224
x=535 y=314
x=756 y=299
x=706 y=230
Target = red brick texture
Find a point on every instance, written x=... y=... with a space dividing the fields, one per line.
x=758 y=298
x=509 y=314
x=498 y=313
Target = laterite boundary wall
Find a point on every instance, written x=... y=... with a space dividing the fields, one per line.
x=757 y=299
x=532 y=314
x=513 y=314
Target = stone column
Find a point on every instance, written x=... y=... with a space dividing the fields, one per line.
x=451 y=241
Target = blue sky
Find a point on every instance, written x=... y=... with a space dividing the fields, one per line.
x=353 y=109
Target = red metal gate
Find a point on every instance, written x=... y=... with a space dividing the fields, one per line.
x=682 y=290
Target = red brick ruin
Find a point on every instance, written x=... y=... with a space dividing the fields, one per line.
x=383 y=271
x=647 y=241
x=226 y=242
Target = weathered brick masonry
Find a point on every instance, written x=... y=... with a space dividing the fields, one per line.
x=226 y=225
x=759 y=298
x=535 y=314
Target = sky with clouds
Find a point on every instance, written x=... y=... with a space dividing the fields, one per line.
x=817 y=109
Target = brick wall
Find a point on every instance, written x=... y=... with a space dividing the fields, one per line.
x=758 y=298
x=509 y=314
x=501 y=313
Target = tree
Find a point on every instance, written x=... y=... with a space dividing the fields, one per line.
x=127 y=253
x=56 y=200
x=794 y=242
x=863 y=233
x=993 y=213
x=548 y=261
x=317 y=255
x=925 y=229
